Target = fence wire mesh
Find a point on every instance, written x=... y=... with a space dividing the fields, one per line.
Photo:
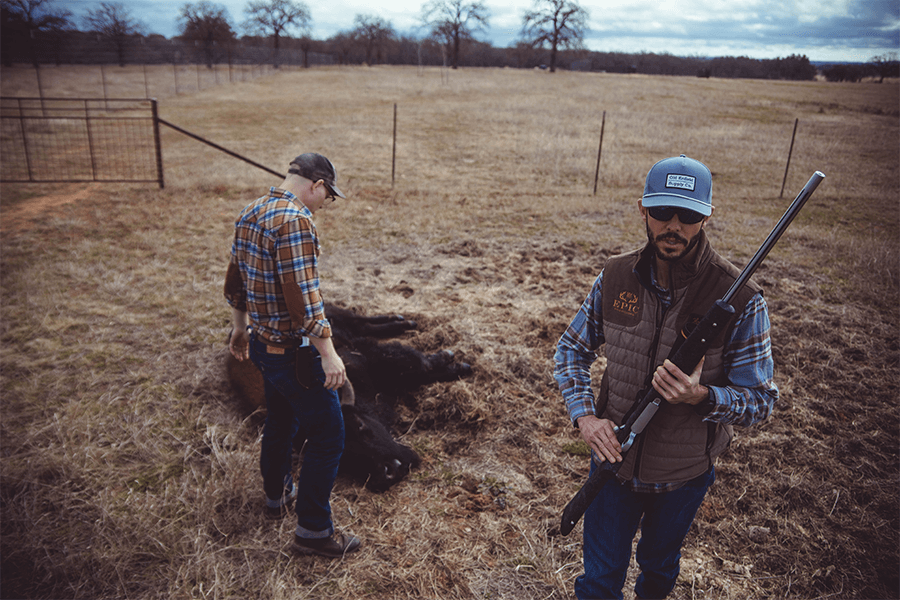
x=62 y=139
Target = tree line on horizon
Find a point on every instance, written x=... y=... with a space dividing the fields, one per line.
x=36 y=31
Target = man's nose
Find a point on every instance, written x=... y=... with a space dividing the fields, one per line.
x=674 y=222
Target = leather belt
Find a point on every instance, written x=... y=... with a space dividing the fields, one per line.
x=272 y=349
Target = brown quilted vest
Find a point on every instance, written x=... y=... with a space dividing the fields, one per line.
x=677 y=445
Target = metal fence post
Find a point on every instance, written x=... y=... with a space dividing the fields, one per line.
x=394 y=150
x=25 y=139
x=599 y=152
x=37 y=72
x=157 y=143
x=103 y=78
x=87 y=124
x=788 y=165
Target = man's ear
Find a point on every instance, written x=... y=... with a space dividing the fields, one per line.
x=706 y=219
x=642 y=210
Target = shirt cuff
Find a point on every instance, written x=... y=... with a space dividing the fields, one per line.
x=578 y=411
x=708 y=406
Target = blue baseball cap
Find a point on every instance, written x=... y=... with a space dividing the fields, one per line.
x=680 y=182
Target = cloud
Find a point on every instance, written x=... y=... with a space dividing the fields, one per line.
x=821 y=29
x=755 y=27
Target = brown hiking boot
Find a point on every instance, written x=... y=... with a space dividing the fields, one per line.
x=335 y=546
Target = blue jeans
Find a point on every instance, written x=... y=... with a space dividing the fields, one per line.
x=316 y=414
x=610 y=524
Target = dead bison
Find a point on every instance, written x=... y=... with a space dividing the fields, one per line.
x=381 y=373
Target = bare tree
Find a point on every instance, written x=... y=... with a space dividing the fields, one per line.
x=208 y=25
x=275 y=18
x=341 y=45
x=886 y=65
x=373 y=33
x=113 y=21
x=453 y=21
x=557 y=23
x=22 y=20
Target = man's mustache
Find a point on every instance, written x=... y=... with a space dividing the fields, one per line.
x=671 y=237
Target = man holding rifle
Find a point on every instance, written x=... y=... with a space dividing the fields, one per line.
x=640 y=306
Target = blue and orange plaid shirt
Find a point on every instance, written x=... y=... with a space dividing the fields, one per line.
x=274 y=273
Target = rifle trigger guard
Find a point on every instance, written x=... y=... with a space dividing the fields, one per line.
x=627 y=445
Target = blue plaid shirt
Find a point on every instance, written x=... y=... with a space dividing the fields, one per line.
x=274 y=270
x=747 y=399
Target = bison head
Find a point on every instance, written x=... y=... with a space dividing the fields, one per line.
x=371 y=454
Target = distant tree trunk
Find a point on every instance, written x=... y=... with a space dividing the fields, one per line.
x=277 y=46
x=208 y=49
x=120 y=50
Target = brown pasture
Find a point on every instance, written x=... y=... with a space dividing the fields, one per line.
x=130 y=471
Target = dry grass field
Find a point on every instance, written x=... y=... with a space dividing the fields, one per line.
x=128 y=469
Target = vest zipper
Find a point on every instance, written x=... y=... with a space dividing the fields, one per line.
x=661 y=313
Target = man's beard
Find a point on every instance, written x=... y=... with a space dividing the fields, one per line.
x=673 y=237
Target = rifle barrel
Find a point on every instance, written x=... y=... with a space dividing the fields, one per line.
x=773 y=238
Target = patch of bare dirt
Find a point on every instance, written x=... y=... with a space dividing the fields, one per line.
x=20 y=215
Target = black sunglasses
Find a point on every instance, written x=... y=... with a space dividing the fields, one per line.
x=665 y=214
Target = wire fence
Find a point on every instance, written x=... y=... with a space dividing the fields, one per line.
x=45 y=140
x=131 y=81
x=82 y=48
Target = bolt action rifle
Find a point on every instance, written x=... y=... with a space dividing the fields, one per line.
x=686 y=357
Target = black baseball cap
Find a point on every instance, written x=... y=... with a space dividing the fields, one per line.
x=314 y=167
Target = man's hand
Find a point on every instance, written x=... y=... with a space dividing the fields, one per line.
x=239 y=343
x=335 y=372
x=599 y=435
x=678 y=388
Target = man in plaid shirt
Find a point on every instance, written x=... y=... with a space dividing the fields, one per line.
x=637 y=308
x=272 y=285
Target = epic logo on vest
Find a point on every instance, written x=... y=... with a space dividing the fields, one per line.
x=626 y=303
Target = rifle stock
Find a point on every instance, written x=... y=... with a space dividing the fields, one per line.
x=686 y=357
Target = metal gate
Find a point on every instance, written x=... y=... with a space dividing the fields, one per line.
x=47 y=140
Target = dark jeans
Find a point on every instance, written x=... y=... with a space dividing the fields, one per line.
x=610 y=524
x=316 y=414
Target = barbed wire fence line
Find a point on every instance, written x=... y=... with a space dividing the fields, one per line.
x=150 y=67
x=89 y=118
x=45 y=140
x=53 y=140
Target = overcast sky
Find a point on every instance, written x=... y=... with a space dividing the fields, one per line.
x=823 y=30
